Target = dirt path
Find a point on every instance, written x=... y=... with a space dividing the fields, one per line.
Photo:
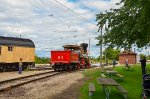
x=66 y=86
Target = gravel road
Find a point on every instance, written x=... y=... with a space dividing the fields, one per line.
x=65 y=86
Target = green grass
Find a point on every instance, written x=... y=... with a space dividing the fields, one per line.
x=132 y=83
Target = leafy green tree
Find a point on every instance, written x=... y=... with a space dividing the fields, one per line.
x=111 y=53
x=93 y=59
x=148 y=57
x=142 y=55
x=39 y=60
x=127 y=25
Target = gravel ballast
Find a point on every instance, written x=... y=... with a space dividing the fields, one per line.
x=65 y=86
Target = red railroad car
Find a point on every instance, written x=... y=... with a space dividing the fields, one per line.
x=70 y=58
x=60 y=57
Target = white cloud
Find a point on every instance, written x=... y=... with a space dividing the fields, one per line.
x=101 y=5
x=49 y=24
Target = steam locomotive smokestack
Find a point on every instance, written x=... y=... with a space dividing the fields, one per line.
x=84 y=46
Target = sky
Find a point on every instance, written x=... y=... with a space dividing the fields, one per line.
x=53 y=23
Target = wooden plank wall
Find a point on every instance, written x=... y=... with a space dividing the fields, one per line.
x=26 y=53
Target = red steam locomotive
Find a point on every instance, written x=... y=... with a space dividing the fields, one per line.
x=71 y=58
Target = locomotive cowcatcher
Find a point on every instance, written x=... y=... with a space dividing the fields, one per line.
x=71 y=58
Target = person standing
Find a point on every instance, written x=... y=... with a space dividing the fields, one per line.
x=107 y=61
x=114 y=63
x=20 y=66
x=126 y=62
x=143 y=65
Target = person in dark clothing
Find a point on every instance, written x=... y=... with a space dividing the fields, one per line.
x=143 y=65
x=114 y=63
x=127 y=63
x=20 y=66
x=107 y=61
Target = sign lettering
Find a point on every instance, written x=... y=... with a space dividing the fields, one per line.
x=60 y=57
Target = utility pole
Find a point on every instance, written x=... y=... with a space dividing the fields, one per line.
x=18 y=30
x=105 y=55
x=20 y=35
x=89 y=48
x=101 y=47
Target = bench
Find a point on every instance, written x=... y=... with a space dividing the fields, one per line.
x=108 y=68
x=91 y=89
x=123 y=91
x=103 y=75
x=102 y=71
x=147 y=70
x=128 y=68
x=119 y=75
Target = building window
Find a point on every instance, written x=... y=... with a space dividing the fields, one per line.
x=10 y=48
x=0 y=50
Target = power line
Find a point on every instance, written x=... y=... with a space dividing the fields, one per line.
x=60 y=19
x=53 y=14
x=73 y=12
x=66 y=10
x=52 y=5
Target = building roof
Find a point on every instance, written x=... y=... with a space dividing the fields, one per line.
x=127 y=52
x=71 y=46
x=11 y=41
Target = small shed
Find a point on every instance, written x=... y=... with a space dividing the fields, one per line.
x=129 y=55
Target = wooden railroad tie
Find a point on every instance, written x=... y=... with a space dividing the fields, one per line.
x=8 y=88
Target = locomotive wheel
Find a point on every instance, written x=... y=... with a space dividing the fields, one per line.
x=61 y=69
x=14 y=68
x=81 y=66
x=68 y=68
x=55 y=69
x=65 y=68
x=4 y=68
x=74 y=67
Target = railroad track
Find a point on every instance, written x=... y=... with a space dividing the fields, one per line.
x=41 y=68
x=16 y=82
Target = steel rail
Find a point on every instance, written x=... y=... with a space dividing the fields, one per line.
x=3 y=89
x=13 y=79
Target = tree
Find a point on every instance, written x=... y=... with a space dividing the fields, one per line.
x=142 y=55
x=148 y=57
x=39 y=60
x=111 y=53
x=127 y=25
x=93 y=59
